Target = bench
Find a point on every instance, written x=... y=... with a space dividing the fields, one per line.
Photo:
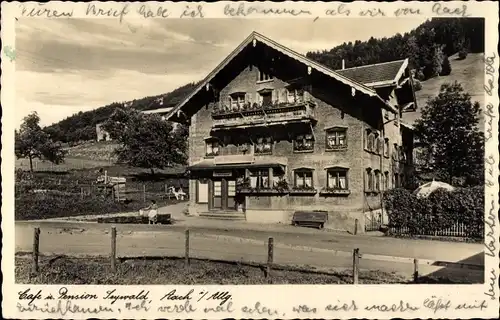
x=316 y=218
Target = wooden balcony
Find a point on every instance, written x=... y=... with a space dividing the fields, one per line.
x=250 y=115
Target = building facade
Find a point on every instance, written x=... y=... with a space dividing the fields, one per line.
x=272 y=132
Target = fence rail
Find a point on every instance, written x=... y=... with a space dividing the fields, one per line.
x=269 y=264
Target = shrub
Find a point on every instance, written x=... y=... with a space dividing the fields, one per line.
x=409 y=214
x=417 y=85
x=420 y=75
x=445 y=67
x=462 y=54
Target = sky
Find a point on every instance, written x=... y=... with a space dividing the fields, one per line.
x=64 y=66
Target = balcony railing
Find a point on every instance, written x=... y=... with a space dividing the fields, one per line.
x=254 y=113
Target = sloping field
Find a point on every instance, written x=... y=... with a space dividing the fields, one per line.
x=101 y=151
x=468 y=72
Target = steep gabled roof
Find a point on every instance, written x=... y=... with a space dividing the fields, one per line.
x=376 y=75
x=255 y=36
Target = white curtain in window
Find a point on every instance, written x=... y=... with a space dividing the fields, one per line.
x=253 y=181
x=342 y=182
x=299 y=180
x=308 y=181
x=332 y=180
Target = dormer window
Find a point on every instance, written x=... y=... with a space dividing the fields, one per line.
x=264 y=76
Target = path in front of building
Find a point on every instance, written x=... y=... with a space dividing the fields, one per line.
x=239 y=240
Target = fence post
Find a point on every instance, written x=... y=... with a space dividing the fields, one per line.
x=186 y=247
x=355 y=266
x=81 y=192
x=166 y=188
x=270 y=254
x=144 y=193
x=113 y=249
x=415 y=270
x=356 y=227
x=36 y=249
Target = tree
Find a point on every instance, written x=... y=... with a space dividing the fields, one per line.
x=446 y=67
x=449 y=130
x=32 y=142
x=147 y=141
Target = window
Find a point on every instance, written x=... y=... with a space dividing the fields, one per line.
x=377 y=181
x=337 y=179
x=264 y=146
x=259 y=179
x=336 y=139
x=370 y=140
x=237 y=100
x=303 y=178
x=379 y=144
x=264 y=76
x=266 y=98
x=295 y=95
x=386 y=147
x=395 y=153
x=386 y=180
x=369 y=180
x=212 y=147
x=303 y=142
x=367 y=139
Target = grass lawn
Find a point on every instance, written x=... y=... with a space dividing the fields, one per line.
x=93 y=270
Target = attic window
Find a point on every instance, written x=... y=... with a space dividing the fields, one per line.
x=264 y=76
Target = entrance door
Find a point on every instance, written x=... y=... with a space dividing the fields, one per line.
x=223 y=194
x=217 y=195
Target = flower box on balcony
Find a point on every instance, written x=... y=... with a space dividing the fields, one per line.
x=303 y=191
x=334 y=192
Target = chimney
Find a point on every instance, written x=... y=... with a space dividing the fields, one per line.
x=343 y=64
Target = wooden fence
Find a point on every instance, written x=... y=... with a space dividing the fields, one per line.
x=457 y=230
x=269 y=265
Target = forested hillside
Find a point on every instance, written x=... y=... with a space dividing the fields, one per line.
x=81 y=126
x=427 y=46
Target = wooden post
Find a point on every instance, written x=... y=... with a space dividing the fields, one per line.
x=144 y=193
x=270 y=254
x=117 y=192
x=81 y=192
x=355 y=266
x=186 y=257
x=113 y=249
x=166 y=188
x=36 y=249
x=356 y=226
x=415 y=270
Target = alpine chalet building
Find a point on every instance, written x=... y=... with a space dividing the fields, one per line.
x=272 y=132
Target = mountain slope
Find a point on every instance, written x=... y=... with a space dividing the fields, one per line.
x=468 y=72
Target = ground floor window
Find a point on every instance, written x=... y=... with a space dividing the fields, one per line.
x=337 y=179
x=303 y=178
x=259 y=179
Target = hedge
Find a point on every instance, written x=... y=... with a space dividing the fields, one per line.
x=441 y=211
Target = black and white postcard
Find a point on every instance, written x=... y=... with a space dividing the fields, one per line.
x=271 y=160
